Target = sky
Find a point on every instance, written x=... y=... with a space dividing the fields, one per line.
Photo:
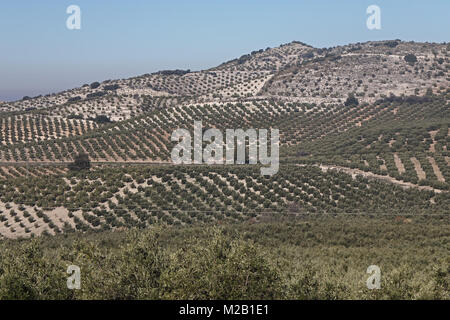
x=121 y=39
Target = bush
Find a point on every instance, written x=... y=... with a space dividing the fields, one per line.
x=351 y=101
x=74 y=116
x=221 y=268
x=94 y=85
x=410 y=58
x=96 y=94
x=74 y=99
x=289 y=259
x=102 y=119
x=111 y=87
x=26 y=274
x=391 y=44
x=81 y=162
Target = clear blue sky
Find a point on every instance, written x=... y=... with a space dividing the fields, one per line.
x=119 y=39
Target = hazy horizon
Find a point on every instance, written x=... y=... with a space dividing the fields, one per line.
x=41 y=56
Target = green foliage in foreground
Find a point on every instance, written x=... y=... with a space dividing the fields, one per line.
x=313 y=257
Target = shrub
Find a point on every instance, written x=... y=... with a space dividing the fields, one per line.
x=96 y=94
x=74 y=116
x=80 y=162
x=222 y=268
x=351 y=101
x=102 y=119
x=391 y=44
x=74 y=99
x=410 y=58
x=111 y=87
x=22 y=274
x=94 y=85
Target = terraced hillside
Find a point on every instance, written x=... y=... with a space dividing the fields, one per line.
x=404 y=139
x=364 y=129
x=53 y=200
x=372 y=137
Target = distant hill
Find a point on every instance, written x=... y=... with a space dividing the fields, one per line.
x=364 y=127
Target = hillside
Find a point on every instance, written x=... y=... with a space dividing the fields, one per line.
x=364 y=129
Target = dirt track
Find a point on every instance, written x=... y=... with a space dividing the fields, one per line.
x=355 y=172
